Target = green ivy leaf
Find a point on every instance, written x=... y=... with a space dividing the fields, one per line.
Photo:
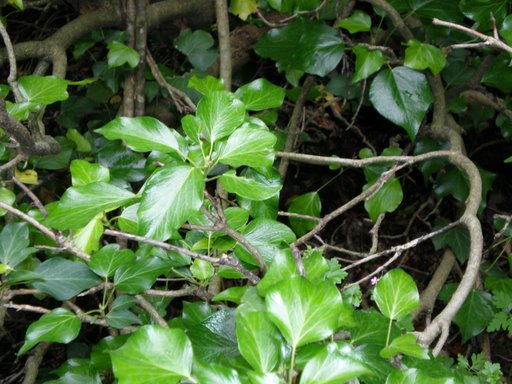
x=481 y=11
x=303 y=312
x=109 y=258
x=302 y=46
x=456 y=238
x=475 y=314
x=387 y=199
x=367 y=62
x=243 y=8
x=140 y=275
x=153 y=354
x=207 y=84
x=7 y=197
x=43 y=89
x=506 y=29
x=402 y=96
x=213 y=373
x=306 y=204
x=197 y=46
x=63 y=279
x=83 y=173
x=14 y=244
x=422 y=56
x=170 y=196
x=396 y=294
x=202 y=270
x=405 y=344
x=57 y=326
x=252 y=186
x=260 y=94
x=499 y=75
x=88 y=238
x=258 y=339
x=120 y=54
x=359 y=21
x=253 y=147
x=81 y=143
x=290 y=6
x=331 y=365
x=144 y=134
x=81 y=204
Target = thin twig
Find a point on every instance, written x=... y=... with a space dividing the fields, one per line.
x=32 y=196
x=11 y=163
x=148 y=307
x=12 y=79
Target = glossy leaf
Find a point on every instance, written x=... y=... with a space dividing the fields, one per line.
x=153 y=354
x=422 y=56
x=260 y=94
x=258 y=339
x=506 y=29
x=207 y=84
x=481 y=11
x=43 y=89
x=63 y=279
x=387 y=199
x=14 y=242
x=57 y=326
x=306 y=204
x=202 y=270
x=143 y=134
x=252 y=185
x=396 y=294
x=243 y=8
x=81 y=204
x=212 y=373
x=456 y=238
x=7 y=197
x=221 y=113
x=405 y=344
x=170 y=196
x=302 y=46
x=249 y=146
x=367 y=62
x=402 y=96
x=330 y=366
x=359 y=21
x=197 y=46
x=83 y=173
x=109 y=258
x=81 y=143
x=120 y=54
x=140 y=275
x=303 y=312
x=475 y=314
x=88 y=238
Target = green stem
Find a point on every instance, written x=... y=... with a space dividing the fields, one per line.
x=329 y=181
x=292 y=366
x=389 y=332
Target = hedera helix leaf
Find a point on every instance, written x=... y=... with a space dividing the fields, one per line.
x=402 y=96
x=206 y=84
x=81 y=204
x=250 y=185
x=43 y=89
x=243 y=8
x=106 y=261
x=303 y=312
x=7 y=197
x=387 y=199
x=119 y=54
x=405 y=344
x=144 y=134
x=83 y=173
x=57 y=326
x=170 y=196
x=197 y=46
x=14 y=244
x=396 y=294
x=367 y=62
x=359 y=21
x=139 y=275
x=306 y=204
x=88 y=238
x=153 y=354
x=260 y=94
x=422 y=56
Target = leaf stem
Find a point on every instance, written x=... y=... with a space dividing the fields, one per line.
x=292 y=365
x=389 y=332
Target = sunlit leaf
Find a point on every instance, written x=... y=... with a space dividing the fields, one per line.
x=396 y=294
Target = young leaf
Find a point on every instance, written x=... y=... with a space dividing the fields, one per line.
x=396 y=294
x=106 y=261
x=367 y=62
x=221 y=114
x=387 y=199
x=43 y=89
x=243 y=8
x=402 y=96
x=422 y=56
x=14 y=244
x=153 y=354
x=202 y=270
x=140 y=275
x=170 y=196
x=206 y=84
x=144 y=134
x=83 y=173
x=258 y=339
x=253 y=147
x=79 y=205
x=303 y=312
x=119 y=54
x=359 y=21
x=405 y=344
x=57 y=326
x=252 y=185
x=88 y=238
x=330 y=366
x=306 y=204
x=260 y=94
x=64 y=279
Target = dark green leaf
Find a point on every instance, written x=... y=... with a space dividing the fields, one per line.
x=367 y=62
x=331 y=366
x=197 y=46
x=359 y=21
x=282 y=267
x=303 y=312
x=498 y=75
x=506 y=29
x=456 y=238
x=422 y=56
x=306 y=204
x=233 y=294
x=144 y=134
x=153 y=354
x=402 y=96
x=57 y=326
x=387 y=199
x=475 y=314
x=119 y=54
x=303 y=46
x=253 y=147
x=64 y=279
x=140 y=275
x=14 y=244
x=83 y=173
x=481 y=11
x=81 y=143
x=170 y=196
x=79 y=205
x=43 y=90
x=260 y=94
x=251 y=185
x=106 y=261
x=396 y=294
x=405 y=344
